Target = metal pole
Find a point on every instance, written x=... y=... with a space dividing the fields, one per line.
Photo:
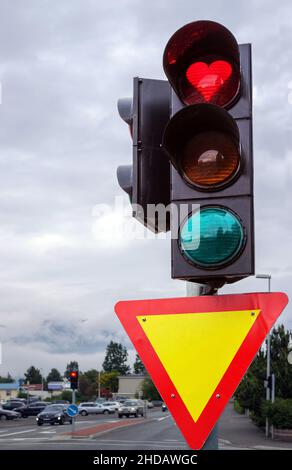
x=268 y=391
x=99 y=384
x=193 y=290
x=273 y=399
x=73 y=401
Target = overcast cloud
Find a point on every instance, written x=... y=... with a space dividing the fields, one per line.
x=63 y=65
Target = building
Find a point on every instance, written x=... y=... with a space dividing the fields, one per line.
x=130 y=385
x=9 y=390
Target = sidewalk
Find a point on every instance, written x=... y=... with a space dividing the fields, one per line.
x=238 y=431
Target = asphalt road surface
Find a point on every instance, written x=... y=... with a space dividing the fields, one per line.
x=157 y=432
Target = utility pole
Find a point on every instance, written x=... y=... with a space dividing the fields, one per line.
x=268 y=344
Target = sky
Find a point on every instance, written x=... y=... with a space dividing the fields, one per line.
x=63 y=66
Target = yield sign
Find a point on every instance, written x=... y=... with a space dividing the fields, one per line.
x=196 y=349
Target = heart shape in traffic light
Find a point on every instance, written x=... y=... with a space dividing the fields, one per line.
x=208 y=79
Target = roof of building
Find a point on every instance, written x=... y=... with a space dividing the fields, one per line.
x=9 y=386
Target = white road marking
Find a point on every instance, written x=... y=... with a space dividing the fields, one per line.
x=224 y=441
x=48 y=432
x=271 y=448
x=164 y=417
x=18 y=432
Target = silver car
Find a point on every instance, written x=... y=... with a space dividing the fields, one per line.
x=91 y=408
x=131 y=408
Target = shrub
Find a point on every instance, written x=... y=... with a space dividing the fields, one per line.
x=238 y=408
x=279 y=413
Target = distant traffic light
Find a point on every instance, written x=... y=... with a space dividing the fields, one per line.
x=147 y=179
x=209 y=143
x=73 y=377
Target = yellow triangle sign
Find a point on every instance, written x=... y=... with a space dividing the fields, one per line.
x=196 y=350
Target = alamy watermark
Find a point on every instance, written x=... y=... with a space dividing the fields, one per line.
x=112 y=222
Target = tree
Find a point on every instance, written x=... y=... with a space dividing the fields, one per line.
x=116 y=358
x=73 y=365
x=149 y=390
x=138 y=366
x=109 y=382
x=251 y=392
x=6 y=380
x=88 y=383
x=54 y=376
x=33 y=375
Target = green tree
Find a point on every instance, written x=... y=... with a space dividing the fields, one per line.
x=109 y=381
x=88 y=384
x=6 y=380
x=33 y=375
x=54 y=376
x=138 y=366
x=251 y=392
x=149 y=390
x=116 y=358
x=73 y=365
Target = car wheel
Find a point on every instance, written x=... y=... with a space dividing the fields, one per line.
x=61 y=421
x=70 y=421
x=106 y=412
x=135 y=415
x=3 y=417
x=52 y=424
x=120 y=416
x=40 y=424
x=84 y=413
x=141 y=414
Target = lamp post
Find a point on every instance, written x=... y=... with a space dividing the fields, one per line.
x=268 y=342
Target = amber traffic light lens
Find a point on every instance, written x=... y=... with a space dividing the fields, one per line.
x=210 y=160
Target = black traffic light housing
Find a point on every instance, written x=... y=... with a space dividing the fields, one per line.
x=147 y=179
x=73 y=377
x=191 y=114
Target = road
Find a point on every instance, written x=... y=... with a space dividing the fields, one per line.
x=157 y=432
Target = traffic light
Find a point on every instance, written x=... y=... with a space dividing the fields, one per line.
x=147 y=179
x=73 y=376
x=208 y=140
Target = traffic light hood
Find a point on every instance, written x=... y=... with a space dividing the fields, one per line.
x=201 y=61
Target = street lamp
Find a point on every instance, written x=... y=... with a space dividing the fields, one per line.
x=268 y=390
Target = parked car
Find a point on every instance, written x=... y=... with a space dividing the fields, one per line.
x=100 y=400
x=13 y=405
x=7 y=414
x=94 y=408
x=60 y=402
x=157 y=402
x=53 y=414
x=131 y=408
x=33 y=409
x=163 y=407
x=111 y=404
x=150 y=404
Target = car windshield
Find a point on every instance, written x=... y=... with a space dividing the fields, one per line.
x=55 y=408
x=130 y=403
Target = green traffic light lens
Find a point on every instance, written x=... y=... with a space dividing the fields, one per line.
x=211 y=237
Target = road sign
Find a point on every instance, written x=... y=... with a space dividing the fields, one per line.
x=72 y=410
x=197 y=349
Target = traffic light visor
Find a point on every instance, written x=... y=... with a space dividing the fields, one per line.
x=202 y=142
x=201 y=61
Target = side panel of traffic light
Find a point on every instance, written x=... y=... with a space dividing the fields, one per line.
x=147 y=180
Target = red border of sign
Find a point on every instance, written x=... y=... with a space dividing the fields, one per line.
x=271 y=306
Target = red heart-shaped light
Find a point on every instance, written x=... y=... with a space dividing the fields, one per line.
x=207 y=79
